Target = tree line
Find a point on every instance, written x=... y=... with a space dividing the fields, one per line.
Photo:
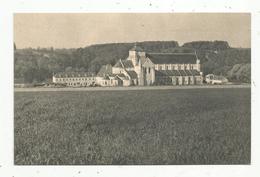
x=38 y=65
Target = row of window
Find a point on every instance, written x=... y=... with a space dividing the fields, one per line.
x=110 y=82
x=147 y=70
x=179 y=80
x=187 y=77
x=78 y=84
x=75 y=79
x=177 y=67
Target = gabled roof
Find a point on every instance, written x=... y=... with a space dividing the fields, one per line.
x=142 y=59
x=120 y=75
x=114 y=76
x=124 y=64
x=118 y=64
x=127 y=63
x=177 y=73
x=132 y=74
x=74 y=74
x=105 y=69
x=172 y=58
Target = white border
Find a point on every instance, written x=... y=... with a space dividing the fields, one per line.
x=7 y=8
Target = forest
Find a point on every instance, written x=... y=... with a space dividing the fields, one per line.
x=34 y=65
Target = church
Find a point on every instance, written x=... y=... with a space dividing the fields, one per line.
x=144 y=69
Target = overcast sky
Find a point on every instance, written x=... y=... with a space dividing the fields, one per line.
x=80 y=30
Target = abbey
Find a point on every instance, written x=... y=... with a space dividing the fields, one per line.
x=141 y=68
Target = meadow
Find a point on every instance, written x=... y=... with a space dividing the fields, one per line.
x=193 y=126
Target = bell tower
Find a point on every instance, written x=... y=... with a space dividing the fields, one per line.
x=135 y=53
x=197 y=61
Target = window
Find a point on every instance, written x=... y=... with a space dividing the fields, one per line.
x=160 y=67
x=149 y=70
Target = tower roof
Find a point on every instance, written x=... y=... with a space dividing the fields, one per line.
x=136 y=48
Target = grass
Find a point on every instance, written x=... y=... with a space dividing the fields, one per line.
x=196 y=126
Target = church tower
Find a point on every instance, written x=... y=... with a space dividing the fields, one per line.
x=135 y=53
x=197 y=61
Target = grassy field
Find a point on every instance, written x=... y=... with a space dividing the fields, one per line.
x=195 y=126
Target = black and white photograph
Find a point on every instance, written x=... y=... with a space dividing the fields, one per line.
x=110 y=88
x=132 y=88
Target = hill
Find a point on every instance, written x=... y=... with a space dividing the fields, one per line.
x=37 y=65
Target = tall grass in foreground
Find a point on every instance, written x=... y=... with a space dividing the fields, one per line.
x=197 y=126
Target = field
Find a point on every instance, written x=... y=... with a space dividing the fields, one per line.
x=192 y=126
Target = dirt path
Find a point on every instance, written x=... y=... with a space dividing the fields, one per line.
x=42 y=89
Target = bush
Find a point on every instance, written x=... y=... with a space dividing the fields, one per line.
x=240 y=72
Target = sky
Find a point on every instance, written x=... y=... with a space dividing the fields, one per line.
x=74 y=30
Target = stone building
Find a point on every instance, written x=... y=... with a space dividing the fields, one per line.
x=141 y=68
x=106 y=77
x=74 y=79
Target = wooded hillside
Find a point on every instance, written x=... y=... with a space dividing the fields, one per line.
x=37 y=65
